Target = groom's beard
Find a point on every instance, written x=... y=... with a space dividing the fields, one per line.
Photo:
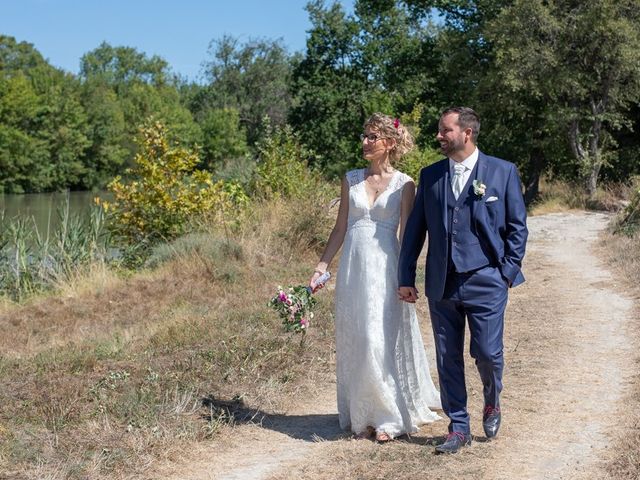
x=449 y=147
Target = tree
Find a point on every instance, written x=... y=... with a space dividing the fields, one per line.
x=42 y=124
x=22 y=154
x=107 y=153
x=223 y=137
x=580 y=57
x=251 y=78
x=332 y=90
x=143 y=87
x=400 y=56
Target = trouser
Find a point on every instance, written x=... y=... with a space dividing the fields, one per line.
x=481 y=298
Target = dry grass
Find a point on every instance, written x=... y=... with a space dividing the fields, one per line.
x=622 y=253
x=116 y=372
x=558 y=196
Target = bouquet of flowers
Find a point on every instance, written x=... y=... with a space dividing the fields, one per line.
x=295 y=305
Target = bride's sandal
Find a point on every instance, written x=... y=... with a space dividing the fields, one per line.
x=368 y=433
x=383 y=437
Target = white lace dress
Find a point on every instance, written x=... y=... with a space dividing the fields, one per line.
x=382 y=371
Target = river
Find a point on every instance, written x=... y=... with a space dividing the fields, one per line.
x=44 y=208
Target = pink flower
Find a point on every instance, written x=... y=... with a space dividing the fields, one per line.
x=282 y=296
x=304 y=323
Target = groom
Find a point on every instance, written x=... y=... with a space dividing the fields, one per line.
x=472 y=208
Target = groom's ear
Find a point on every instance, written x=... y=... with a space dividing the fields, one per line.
x=468 y=132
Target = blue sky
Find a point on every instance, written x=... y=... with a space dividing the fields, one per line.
x=179 y=31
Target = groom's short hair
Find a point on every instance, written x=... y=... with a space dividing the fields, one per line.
x=467 y=118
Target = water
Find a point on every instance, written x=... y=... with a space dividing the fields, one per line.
x=43 y=208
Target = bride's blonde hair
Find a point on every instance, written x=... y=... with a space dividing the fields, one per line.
x=390 y=127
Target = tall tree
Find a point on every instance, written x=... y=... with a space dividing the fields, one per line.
x=43 y=128
x=143 y=86
x=332 y=89
x=400 y=56
x=583 y=58
x=251 y=78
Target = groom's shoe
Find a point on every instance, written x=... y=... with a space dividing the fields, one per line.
x=491 y=421
x=454 y=442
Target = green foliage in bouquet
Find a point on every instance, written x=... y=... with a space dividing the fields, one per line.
x=165 y=192
x=294 y=305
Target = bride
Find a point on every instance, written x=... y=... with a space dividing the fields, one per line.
x=384 y=386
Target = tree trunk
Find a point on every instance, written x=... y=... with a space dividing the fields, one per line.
x=592 y=180
x=532 y=182
x=589 y=157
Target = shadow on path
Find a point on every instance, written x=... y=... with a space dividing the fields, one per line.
x=310 y=428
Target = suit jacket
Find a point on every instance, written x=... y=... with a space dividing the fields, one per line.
x=498 y=217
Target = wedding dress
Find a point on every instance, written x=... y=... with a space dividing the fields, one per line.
x=382 y=370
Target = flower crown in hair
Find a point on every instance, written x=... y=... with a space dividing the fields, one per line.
x=396 y=123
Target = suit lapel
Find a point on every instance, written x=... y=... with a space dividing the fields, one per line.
x=482 y=174
x=443 y=191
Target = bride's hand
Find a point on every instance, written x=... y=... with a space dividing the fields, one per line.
x=408 y=294
x=312 y=281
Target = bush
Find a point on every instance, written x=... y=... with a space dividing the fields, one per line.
x=166 y=193
x=416 y=160
x=629 y=222
x=282 y=169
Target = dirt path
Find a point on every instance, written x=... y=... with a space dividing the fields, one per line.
x=566 y=346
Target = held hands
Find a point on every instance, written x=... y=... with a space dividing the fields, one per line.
x=408 y=294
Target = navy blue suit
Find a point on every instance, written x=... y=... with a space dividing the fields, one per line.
x=475 y=249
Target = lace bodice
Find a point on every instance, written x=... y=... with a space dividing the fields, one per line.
x=385 y=210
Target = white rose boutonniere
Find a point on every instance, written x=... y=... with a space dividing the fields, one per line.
x=479 y=188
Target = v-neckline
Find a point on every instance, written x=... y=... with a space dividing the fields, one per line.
x=364 y=187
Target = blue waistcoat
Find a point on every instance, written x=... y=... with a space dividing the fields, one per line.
x=465 y=250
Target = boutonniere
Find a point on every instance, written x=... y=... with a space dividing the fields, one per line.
x=479 y=188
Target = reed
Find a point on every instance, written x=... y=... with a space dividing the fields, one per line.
x=31 y=262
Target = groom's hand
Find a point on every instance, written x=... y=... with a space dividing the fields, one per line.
x=408 y=294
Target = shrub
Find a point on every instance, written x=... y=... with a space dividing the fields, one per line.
x=629 y=222
x=166 y=192
x=282 y=169
x=416 y=160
